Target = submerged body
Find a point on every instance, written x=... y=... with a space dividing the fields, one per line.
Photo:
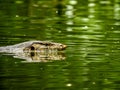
x=35 y=51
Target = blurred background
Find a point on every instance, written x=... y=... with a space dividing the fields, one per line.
x=90 y=29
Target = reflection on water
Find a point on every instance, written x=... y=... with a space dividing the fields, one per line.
x=40 y=56
x=37 y=56
x=90 y=29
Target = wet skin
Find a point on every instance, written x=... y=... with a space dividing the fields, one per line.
x=39 y=46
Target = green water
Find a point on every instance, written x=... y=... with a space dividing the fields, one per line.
x=90 y=29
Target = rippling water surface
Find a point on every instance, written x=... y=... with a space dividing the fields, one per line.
x=90 y=29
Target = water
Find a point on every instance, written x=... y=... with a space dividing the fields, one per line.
x=89 y=28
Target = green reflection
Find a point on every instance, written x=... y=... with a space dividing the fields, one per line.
x=90 y=28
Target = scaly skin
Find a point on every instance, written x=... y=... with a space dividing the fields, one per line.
x=31 y=46
x=44 y=45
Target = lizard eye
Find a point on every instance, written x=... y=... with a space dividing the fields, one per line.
x=32 y=48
